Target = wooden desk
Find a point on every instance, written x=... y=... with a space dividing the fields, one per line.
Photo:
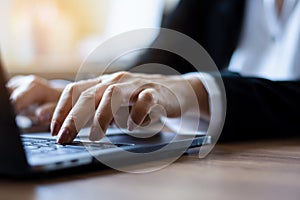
x=253 y=170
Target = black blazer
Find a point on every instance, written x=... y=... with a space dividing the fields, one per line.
x=256 y=107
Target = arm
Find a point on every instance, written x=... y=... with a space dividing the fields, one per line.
x=260 y=108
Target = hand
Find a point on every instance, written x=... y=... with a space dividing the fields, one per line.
x=99 y=100
x=26 y=91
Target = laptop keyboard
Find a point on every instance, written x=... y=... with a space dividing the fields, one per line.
x=35 y=146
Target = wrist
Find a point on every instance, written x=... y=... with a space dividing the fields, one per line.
x=202 y=96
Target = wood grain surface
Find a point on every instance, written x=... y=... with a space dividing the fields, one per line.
x=247 y=170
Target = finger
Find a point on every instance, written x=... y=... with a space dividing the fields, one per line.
x=114 y=97
x=21 y=81
x=147 y=121
x=15 y=82
x=25 y=96
x=68 y=98
x=44 y=112
x=146 y=100
x=31 y=90
x=121 y=117
x=82 y=112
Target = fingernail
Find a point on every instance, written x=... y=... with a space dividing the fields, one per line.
x=65 y=136
x=131 y=125
x=96 y=133
x=55 y=128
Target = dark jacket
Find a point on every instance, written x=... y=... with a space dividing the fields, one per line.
x=256 y=107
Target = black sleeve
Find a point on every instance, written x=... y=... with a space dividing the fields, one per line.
x=259 y=108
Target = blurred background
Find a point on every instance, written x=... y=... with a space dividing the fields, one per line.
x=51 y=38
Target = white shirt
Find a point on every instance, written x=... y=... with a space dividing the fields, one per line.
x=270 y=44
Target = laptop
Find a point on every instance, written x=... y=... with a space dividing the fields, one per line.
x=34 y=154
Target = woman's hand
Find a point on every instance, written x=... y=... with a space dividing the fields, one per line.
x=26 y=91
x=98 y=101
